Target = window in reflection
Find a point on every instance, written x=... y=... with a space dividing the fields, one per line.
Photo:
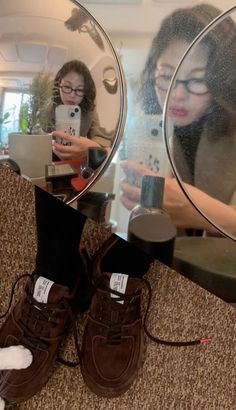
x=12 y=101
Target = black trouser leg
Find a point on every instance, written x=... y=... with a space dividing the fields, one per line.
x=59 y=229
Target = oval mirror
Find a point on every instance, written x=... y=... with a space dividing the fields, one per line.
x=199 y=121
x=58 y=71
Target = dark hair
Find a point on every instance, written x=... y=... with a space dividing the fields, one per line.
x=88 y=102
x=185 y=24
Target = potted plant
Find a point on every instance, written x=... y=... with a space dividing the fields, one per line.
x=4 y=119
x=34 y=117
x=31 y=148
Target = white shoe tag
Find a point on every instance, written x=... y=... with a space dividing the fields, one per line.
x=41 y=289
x=118 y=282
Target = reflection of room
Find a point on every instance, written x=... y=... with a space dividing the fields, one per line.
x=37 y=42
x=44 y=42
x=196 y=375
x=132 y=40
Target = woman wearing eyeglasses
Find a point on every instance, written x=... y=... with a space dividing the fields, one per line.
x=204 y=126
x=74 y=85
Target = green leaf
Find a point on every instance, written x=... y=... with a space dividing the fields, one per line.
x=24 y=118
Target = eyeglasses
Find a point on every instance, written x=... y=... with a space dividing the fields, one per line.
x=68 y=90
x=195 y=86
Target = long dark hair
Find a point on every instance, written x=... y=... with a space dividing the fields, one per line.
x=88 y=102
x=185 y=24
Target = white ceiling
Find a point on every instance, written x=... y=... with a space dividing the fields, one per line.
x=33 y=36
x=142 y=16
x=130 y=24
x=133 y=16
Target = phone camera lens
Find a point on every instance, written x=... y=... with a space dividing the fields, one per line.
x=76 y=109
x=154 y=132
x=72 y=114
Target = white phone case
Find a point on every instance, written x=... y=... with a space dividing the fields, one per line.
x=68 y=119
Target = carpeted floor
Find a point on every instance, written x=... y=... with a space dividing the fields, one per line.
x=197 y=377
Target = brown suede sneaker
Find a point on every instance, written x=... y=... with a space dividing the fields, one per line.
x=38 y=322
x=112 y=347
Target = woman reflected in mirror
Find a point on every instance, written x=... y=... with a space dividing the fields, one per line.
x=201 y=108
x=74 y=86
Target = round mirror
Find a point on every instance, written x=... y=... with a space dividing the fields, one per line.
x=58 y=72
x=199 y=118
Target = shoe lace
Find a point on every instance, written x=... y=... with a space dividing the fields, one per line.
x=114 y=309
x=157 y=339
x=38 y=319
x=118 y=311
x=26 y=275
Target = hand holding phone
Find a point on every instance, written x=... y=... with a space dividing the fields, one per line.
x=134 y=172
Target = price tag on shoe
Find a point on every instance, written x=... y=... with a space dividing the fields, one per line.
x=118 y=282
x=41 y=289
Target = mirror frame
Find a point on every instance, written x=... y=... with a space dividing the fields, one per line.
x=211 y=25
x=123 y=108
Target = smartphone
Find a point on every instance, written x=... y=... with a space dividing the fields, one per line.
x=68 y=119
x=144 y=144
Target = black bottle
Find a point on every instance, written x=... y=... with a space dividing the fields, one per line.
x=150 y=227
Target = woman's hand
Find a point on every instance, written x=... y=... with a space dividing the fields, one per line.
x=130 y=191
x=75 y=148
x=179 y=208
x=174 y=200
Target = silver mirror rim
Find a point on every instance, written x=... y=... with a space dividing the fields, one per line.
x=123 y=109
x=211 y=25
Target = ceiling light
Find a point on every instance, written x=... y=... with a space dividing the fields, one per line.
x=31 y=52
x=81 y=22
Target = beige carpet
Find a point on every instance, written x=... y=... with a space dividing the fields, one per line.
x=198 y=377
